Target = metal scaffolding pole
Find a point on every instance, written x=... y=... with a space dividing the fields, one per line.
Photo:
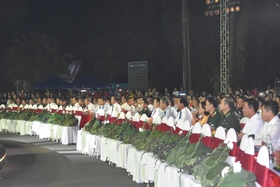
x=224 y=46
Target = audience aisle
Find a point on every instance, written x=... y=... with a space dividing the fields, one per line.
x=39 y=162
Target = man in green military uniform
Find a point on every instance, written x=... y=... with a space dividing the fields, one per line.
x=215 y=116
x=230 y=119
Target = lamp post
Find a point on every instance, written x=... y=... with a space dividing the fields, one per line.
x=223 y=8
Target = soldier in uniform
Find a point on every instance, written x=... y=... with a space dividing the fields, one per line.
x=229 y=119
x=215 y=116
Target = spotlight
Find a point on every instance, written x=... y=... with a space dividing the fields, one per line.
x=237 y=8
x=217 y=12
x=227 y=10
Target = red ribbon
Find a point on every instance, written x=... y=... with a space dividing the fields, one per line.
x=194 y=138
x=163 y=127
x=247 y=161
x=78 y=113
x=207 y=141
x=233 y=152
x=216 y=142
x=263 y=175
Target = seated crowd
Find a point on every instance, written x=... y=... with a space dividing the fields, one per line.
x=263 y=123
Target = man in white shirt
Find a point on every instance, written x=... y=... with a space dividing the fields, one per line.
x=255 y=122
x=90 y=107
x=150 y=105
x=132 y=103
x=166 y=110
x=114 y=106
x=271 y=126
x=157 y=111
x=106 y=106
x=125 y=105
x=184 y=113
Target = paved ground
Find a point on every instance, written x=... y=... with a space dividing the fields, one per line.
x=34 y=162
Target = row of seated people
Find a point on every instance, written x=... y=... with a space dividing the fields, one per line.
x=245 y=153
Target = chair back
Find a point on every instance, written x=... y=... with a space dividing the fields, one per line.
x=196 y=131
x=231 y=137
x=261 y=168
x=219 y=137
x=207 y=136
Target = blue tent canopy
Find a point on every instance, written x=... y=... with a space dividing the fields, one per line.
x=89 y=82
x=53 y=82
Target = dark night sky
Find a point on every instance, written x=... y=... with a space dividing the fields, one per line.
x=74 y=22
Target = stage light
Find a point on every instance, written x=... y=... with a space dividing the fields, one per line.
x=237 y=8
x=227 y=10
x=217 y=12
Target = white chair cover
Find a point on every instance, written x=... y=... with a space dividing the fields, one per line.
x=157 y=120
x=244 y=120
x=196 y=128
x=186 y=126
x=206 y=130
x=231 y=135
x=128 y=115
x=244 y=143
x=171 y=122
x=164 y=120
x=144 y=117
x=136 y=117
x=122 y=115
x=250 y=148
x=262 y=158
x=100 y=112
x=180 y=123
x=55 y=107
x=220 y=133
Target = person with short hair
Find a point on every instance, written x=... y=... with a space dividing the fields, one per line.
x=229 y=118
x=157 y=111
x=114 y=106
x=255 y=122
x=89 y=106
x=166 y=110
x=184 y=112
x=145 y=109
x=271 y=126
x=215 y=116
